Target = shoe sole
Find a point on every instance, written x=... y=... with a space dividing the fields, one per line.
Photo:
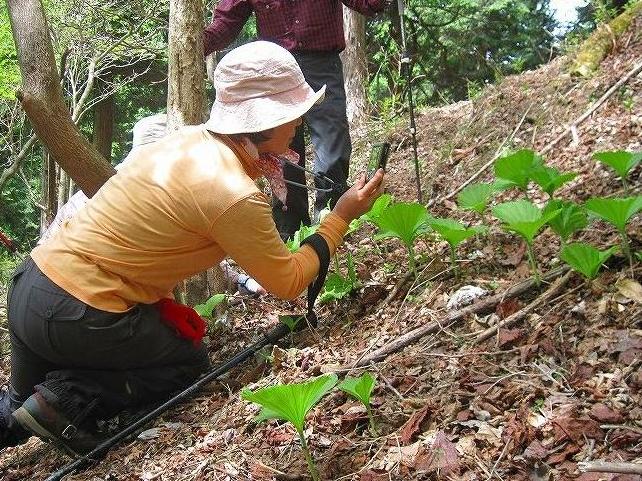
x=28 y=422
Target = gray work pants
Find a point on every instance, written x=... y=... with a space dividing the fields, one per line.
x=73 y=353
x=330 y=136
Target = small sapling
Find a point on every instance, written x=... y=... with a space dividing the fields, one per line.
x=292 y=402
x=621 y=162
x=361 y=388
x=525 y=219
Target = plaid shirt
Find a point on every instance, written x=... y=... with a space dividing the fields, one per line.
x=297 y=25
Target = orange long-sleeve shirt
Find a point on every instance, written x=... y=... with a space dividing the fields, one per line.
x=177 y=208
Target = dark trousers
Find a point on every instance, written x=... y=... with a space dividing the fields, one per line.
x=330 y=136
x=74 y=354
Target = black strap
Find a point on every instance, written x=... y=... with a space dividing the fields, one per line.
x=320 y=246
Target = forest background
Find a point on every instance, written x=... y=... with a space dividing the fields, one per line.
x=112 y=58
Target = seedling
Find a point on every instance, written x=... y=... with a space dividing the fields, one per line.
x=405 y=221
x=476 y=197
x=292 y=402
x=617 y=211
x=517 y=168
x=525 y=219
x=454 y=233
x=620 y=161
x=291 y=322
x=585 y=259
x=361 y=388
x=570 y=219
x=206 y=310
x=550 y=179
x=294 y=244
x=336 y=286
x=382 y=202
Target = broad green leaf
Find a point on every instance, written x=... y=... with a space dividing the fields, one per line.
x=205 y=310
x=585 y=258
x=405 y=221
x=337 y=287
x=550 y=179
x=382 y=202
x=452 y=231
x=616 y=211
x=523 y=217
x=570 y=219
x=291 y=321
x=290 y=402
x=476 y=197
x=518 y=167
x=294 y=244
x=359 y=387
x=619 y=160
x=639 y=255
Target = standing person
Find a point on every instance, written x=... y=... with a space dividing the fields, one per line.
x=91 y=326
x=312 y=30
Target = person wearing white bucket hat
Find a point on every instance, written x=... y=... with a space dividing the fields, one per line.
x=93 y=330
x=312 y=30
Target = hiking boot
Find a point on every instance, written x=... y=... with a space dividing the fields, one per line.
x=42 y=419
x=11 y=433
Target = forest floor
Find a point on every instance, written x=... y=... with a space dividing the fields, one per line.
x=560 y=386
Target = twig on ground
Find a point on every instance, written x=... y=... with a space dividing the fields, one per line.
x=621 y=426
x=604 y=467
x=519 y=315
x=501 y=455
x=594 y=107
x=480 y=306
x=387 y=382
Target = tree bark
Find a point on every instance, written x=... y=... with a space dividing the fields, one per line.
x=186 y=105
x=355 y=66
x=42 y=99
x=104 y=122
x=186 y=73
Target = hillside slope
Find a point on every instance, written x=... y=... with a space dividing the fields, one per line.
x=560 y=386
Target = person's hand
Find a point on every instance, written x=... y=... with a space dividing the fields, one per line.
x=358 y=199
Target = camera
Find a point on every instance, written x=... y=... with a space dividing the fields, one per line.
x=378 y=158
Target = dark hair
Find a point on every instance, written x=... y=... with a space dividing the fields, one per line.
x=254 y=137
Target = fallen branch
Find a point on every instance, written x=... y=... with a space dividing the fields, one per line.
x=604 y=467
x=550 y=293
x=480 y=306
x=616 y=86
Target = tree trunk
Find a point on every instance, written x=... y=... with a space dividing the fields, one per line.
x=186 y=73
x=42 y=99
x=355 y=66
x=104 y=122
x=186 y=105
x=49 y=191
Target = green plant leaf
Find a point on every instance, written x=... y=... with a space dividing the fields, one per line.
x=523 y=218
x=639 y=255
x=550 y=179
x=336 y=286
x=294 y=244
x=290 y=402
x=619 y=160
x=517 y=168
x=616 y=211
x=291 y=321
x=359 y=387
x=585 y=258
x=377 y=208
x=405 y=221
x=476 y=196
x=205 y=310
x=452 y=231
x=570 y=219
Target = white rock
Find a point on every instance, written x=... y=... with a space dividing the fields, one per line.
x=464 y=296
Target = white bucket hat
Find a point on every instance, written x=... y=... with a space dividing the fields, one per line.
x=259 y=86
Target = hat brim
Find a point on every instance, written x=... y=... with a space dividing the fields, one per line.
x=262 y=113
